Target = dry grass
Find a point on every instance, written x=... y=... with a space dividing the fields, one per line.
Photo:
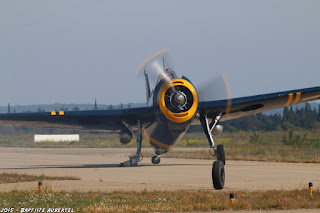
x=15 y=178
x=163 y=201
x=252 y=153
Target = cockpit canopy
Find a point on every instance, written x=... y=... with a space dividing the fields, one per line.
x=166 y=76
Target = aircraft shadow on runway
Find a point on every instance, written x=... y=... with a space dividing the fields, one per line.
x=85 y=166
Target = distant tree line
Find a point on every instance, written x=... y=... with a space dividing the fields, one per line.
x=304 y=118
x=72 y=108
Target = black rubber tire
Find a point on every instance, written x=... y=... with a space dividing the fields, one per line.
x=154 y=161
x=218 y=175
x=221 y=154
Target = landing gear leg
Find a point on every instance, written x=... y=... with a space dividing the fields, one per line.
x=133 y=161
x=218 y=174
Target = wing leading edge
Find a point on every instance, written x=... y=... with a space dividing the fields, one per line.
x=250 y=105
x=89 y=119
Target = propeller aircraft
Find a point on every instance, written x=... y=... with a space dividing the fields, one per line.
x=173 y=105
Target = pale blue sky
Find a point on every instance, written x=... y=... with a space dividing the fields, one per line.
x=73 y=51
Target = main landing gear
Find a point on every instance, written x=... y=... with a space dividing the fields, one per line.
x=156 y=159
x=133 y=161
x=218 y=174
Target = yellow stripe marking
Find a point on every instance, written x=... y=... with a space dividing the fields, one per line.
x=53 y=113
x=61 y=112
x=289 y=100
x=298 y=95
x=156 y=142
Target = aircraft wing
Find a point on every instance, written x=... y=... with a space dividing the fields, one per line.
x=89 y=119
x=240 y=107
x=112 y=119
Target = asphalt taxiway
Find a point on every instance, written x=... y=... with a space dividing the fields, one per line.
x=99 y=171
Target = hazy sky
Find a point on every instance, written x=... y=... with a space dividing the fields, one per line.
x=73 y=51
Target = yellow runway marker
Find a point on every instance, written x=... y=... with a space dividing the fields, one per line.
x=40 y=186
x=310 y=188
x=232 y=198
x=53 y=113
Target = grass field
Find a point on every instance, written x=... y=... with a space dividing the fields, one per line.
x=15 y=178
x=303 y=147
x=162 y=201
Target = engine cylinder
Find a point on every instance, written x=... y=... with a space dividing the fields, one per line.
x=125 y=136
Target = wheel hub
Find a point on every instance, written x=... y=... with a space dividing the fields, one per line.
x=178 y=100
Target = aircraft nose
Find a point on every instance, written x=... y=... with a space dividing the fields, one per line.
x=179 y=98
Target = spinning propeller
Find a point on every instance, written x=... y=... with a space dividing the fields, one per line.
x=177 y=97
x=215 y=89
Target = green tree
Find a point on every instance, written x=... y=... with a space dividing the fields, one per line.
x=307 y=108
x=285 y=114
x=95 y=104
x=63 y=109
x=40 y=110
x=254 y=139
x=292 y=139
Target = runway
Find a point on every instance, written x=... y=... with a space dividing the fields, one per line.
x=99 y=171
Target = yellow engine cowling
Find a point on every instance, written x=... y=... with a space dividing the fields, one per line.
x=167 y=107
